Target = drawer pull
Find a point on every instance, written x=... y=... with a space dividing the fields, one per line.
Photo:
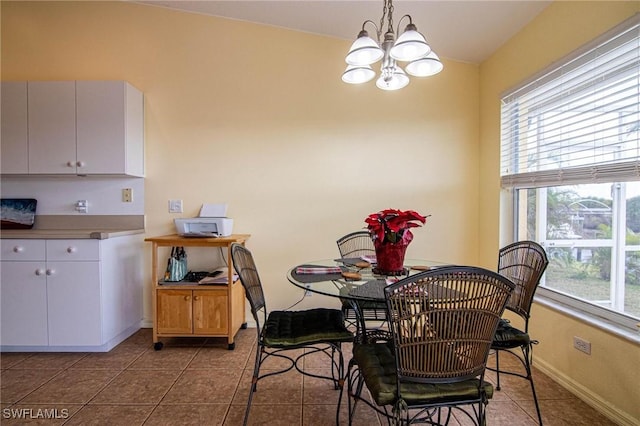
x=18 y=249
x=40 y=272
x=71 y=250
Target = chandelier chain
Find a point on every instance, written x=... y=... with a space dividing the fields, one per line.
x=384 y=14
x=390 y=8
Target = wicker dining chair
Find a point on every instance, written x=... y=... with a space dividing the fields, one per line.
x=442 y=323
x=355 y=245
x=523 y=262
x=314 y=330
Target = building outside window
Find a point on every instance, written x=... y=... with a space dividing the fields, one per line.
x=570 y=160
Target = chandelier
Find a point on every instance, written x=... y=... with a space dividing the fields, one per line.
x=410 y=47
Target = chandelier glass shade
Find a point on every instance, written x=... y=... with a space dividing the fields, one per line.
x=410 y=46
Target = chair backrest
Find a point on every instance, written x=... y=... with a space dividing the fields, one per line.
x=443 y=322
x=523 y=262
x=356 y=244
x=245 y=267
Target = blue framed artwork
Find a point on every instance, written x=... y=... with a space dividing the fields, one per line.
x=17 y=213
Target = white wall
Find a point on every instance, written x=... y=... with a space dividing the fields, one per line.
x=58 y=195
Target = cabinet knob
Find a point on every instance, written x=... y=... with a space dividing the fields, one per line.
x=71 y=164
x=187 y=298
x=196 y=297
x=39 y=272
x=51 y=271
x=71 y=250
x=18 y=249
x=81 y=164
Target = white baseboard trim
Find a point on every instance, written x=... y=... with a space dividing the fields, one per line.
x=607 y=408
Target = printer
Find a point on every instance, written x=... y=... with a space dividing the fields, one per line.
x=212 y=222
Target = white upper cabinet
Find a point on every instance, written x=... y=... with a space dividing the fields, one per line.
x=13 y=141
x=73 y=127
x=109 y=128
x=52 y=127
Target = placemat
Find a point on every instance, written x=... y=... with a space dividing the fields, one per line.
x=314 y=278
x=373 y=289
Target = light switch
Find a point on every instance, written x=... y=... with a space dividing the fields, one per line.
x=175 y=206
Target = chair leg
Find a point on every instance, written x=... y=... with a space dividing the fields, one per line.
x=254 y=383
x=497 y=370
x=526 y=351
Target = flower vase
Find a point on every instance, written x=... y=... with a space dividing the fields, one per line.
x=390 y=257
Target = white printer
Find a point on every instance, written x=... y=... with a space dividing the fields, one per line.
x=212 y=222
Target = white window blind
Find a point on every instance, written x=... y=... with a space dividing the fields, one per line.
x=577 y=122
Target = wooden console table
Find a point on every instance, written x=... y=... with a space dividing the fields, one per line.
x=187 y=310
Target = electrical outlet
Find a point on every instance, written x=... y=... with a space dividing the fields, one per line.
x=82 y=206
x=127 y=195
x=175 y=206
x=582 y=345
x=307 y=292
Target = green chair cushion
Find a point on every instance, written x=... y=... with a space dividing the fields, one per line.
x=508 y=337
x=298 y=328
x=377 y=365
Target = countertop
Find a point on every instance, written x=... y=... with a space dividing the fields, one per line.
x=66 y=234
x=97 y=227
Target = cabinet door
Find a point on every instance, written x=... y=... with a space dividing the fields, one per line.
x=100 y=126
x=174 y=312
x=23 y=304
x=52 y=127
x=109 y=128
x=210 y=312
x=13 y=141
x=73 y=297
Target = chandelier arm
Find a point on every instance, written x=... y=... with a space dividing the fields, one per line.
x=400 y=21
x=378 y=31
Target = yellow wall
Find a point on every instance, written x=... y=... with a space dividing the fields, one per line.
x=258 y=117
x=610 y=377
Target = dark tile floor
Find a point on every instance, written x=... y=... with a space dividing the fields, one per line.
x=199 y=382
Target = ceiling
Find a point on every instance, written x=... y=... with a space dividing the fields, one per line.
x=467 y=31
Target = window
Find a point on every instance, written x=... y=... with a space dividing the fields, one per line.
x=570 y=155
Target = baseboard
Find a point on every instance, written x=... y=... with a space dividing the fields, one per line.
x=606 y=408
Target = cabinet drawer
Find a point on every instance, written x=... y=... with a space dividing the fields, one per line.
x=73 y=250
x=23 y=250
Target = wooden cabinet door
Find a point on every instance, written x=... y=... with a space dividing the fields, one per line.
x=15 y=149
x=73 y=300
x=174 y=312
x=52 y=127
x=23 y=309
x=210 y=312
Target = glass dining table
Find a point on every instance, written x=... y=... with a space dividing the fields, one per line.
x=353 y=280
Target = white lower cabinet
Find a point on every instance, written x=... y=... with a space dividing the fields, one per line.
x=23 y=295
x=73 y=303
x=55 y=296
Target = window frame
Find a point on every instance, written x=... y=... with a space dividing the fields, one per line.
x=607 y=172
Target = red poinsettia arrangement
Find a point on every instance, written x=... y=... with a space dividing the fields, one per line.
x=392 y=226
